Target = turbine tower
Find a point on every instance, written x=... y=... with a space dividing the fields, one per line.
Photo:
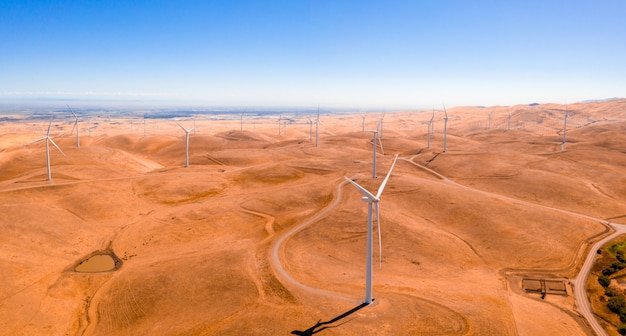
x=445 y=128
x=48 y=139
x=75 y=126
x=370 y=198
x=186 y=143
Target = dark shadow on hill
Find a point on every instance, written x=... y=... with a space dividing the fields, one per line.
x=319 y=326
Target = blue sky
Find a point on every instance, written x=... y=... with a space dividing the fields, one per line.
x=334 y=53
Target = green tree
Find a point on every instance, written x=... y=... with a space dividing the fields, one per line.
x=604 y=281
x=616 y=304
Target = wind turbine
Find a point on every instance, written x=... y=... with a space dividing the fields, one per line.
x=317 y=126
x=445 y=128
x=565 y=126
x=48 y=139
x=508 y=125
x=242 y=113
x=370 y=198
x=375 y=132
x=186 y=144
x=75 y=126
x=380 y=137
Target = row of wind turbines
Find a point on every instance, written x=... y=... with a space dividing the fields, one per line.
x=372 y=200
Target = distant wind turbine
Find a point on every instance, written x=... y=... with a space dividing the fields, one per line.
x=375 y=133
x=317 y=126
x=242 y=113
x=445 y=128
x=370 y=198
x=186 y=143
x=75 y=126
x=565 y=126
x=508 y=125
x=48 y=139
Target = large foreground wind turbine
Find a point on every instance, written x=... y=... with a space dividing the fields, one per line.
x=370 y=198
x=186 y=144
x=48 y=139
x=75 y=126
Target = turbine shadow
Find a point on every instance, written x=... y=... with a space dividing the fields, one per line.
x=319 y=326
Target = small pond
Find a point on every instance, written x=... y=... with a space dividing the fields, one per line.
x=98 y=263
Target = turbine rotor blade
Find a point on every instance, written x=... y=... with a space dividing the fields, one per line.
x=363 y=191
x=380 y=142
x=382 y=186
x=35 y=141
x=55 y=145
x=72 y=112
x=181 y=126
x=73 y=127
x=380 y=241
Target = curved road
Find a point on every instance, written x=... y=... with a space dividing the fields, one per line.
x=580 y=294
x=277 y=245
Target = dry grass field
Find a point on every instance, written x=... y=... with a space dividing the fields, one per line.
x=262 y=235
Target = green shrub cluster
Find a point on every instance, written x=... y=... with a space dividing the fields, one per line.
x=617 y=302
x=615 y=266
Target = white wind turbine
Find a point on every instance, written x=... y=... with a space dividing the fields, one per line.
x=508 y=125
x=370 y=198
x=75 y=126
x=375 y=133
x=565 y=126
x=380 y=137
x=317 y=126
x=48 y=139
x=242 y=113
x=445 y=128
x=186 y=143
